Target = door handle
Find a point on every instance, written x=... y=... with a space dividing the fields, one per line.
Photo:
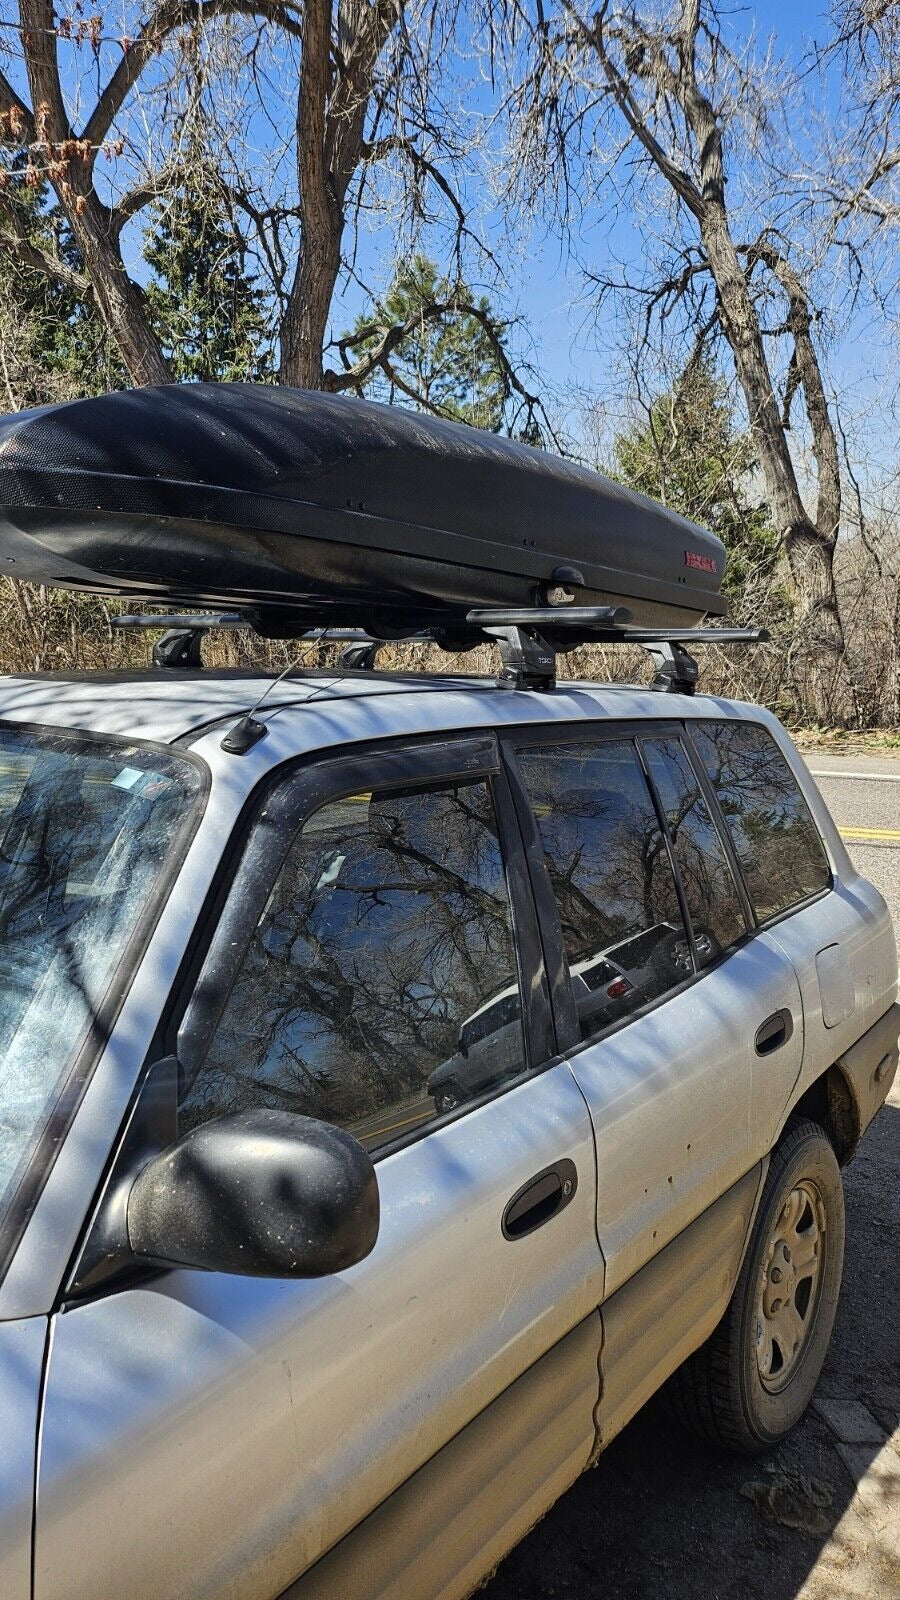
x=542 y=1197
x=774 y=1032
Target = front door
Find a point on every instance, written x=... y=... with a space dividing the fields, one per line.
x=209 y=1435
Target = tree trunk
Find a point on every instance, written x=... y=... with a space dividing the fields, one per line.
x=668 y=59
x=334 y=92
x=120 y=301
x=819 y=657
x=306 y=318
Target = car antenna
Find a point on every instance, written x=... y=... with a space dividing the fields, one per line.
x=248 y=730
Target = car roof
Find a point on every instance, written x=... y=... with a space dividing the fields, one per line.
x=170 y=706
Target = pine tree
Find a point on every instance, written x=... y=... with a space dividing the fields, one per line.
x=449 y=364
x=211 y=317
x=691 y=455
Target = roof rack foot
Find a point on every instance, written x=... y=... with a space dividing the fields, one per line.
x=360 y=656
x=179 y=649
x=527 y=660
x=676 y=671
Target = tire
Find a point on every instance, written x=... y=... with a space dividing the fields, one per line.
x=670 y=960
x=745 y=1388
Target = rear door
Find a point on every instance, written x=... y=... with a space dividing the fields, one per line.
x=632 y=871
x=826 y=927
x=205 y=1434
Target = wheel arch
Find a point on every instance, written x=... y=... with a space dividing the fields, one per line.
x=831 y=1102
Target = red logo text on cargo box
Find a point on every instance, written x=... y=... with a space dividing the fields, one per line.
x=702 y=563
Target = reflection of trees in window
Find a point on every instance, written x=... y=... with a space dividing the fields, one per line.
x=605 y=853
x=706 y=878
x=82 y=836
x=382 y=936
x=774 y=835
x=609 y=866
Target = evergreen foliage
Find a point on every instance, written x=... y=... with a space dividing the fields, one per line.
x=211 y=318
x=450 y=364
x=53 y=345
x=691 y=455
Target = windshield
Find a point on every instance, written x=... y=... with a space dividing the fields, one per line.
x=85 y=830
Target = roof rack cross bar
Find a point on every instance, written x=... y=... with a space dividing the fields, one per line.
x=528 y=639
x=592 y=617
x=179 y=648
x=195 y=623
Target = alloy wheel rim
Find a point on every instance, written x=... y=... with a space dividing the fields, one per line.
x=790 y=1284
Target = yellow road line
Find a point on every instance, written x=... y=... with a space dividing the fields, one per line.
x=420 y=1116
x=869 y=833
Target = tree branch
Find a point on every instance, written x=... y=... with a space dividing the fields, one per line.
x=169 y=16
x=14 y=239
x=353 y=377
x=595 y=37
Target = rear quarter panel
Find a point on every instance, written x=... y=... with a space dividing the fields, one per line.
x=842 y=945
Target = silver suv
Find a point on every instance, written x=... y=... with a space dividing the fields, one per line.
x=282 y=1316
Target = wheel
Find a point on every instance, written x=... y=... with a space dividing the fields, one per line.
x=671 y=959
x=755 y=1376
x=447 y=1098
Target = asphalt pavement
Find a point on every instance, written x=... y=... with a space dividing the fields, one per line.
x=863 y=795
x=666 y=1517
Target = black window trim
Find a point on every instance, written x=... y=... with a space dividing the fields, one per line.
x=288 y=799
x=718 y=822
x=663 y=825
x=758 y=925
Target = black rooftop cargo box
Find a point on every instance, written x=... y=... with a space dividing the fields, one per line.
x=305 y=508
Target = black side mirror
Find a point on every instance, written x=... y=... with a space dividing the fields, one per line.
x=262 y=1193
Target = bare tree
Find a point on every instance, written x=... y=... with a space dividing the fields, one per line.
x=67 y=151
x=864 y=176
x=630 y=89
x=83 y=106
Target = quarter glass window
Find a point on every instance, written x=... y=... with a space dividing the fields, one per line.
x=777 y=842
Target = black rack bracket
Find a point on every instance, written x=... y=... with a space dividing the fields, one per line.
x=527 y=661
x=530 y=638
x=179 y=649
x=676 y=671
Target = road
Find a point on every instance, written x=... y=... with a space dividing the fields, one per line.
x=664 y=1517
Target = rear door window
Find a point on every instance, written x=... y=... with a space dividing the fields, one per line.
x=710 y=890
x=612 y=876
x=777 y=843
